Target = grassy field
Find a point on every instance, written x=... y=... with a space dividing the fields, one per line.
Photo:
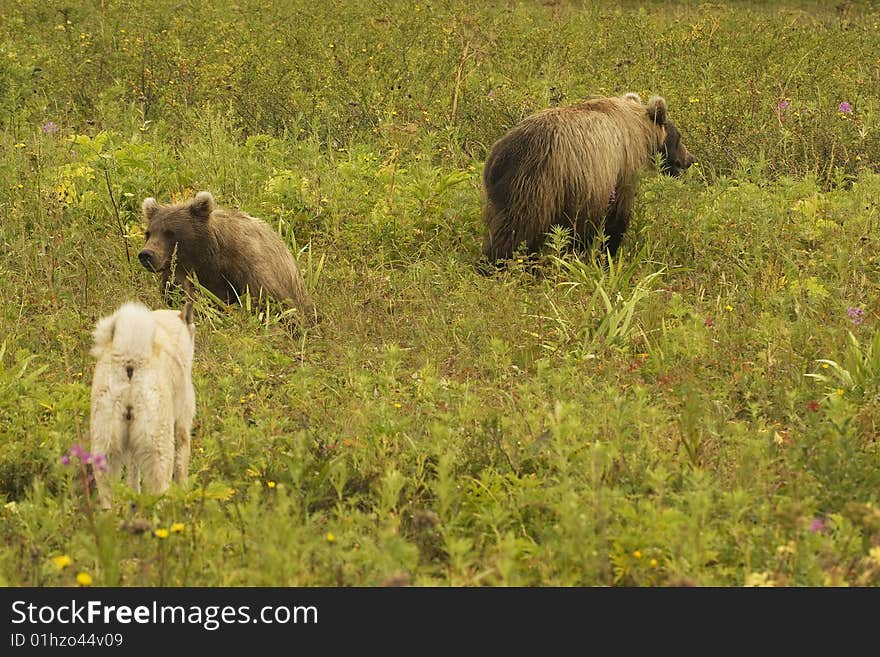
x=702 y=412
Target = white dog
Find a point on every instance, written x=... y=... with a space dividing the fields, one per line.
x=143 y=401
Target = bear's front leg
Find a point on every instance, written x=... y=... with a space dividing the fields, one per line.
x=618 y=217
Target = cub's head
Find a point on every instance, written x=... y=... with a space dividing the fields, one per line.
x=170 y=227
x=676 y=157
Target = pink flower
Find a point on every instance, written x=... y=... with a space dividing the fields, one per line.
x=97 y=460
x=783 y=105
x=817 y=525
x=856 y=315
x=50 y=128
x=844 y=108
x=100 y=462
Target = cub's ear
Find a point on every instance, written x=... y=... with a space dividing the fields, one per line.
x=103 y=335
x=633 y=96
x=657 y=110
x=202 y=205
x=149 y=207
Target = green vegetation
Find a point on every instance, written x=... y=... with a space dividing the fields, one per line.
x=702 y=411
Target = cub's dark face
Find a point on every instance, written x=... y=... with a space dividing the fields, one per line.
x=676 y=157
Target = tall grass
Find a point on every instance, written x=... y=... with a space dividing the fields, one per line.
x=661 y=419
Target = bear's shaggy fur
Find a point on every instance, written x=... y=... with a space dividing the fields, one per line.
x=143 y=401
x=230 y=252
x=574 y=167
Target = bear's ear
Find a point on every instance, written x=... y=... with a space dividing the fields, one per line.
x=149 y=207
x=633 y=96
x=202 y=205
x=657 y=110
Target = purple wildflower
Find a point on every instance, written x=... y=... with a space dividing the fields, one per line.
x=783 y=105
x=50 y=128
x=856 y=315
x=844 y=108
x=99 y=461
x=817 y=525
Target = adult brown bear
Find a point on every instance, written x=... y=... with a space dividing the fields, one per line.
x=229 y=251
x=575 y=167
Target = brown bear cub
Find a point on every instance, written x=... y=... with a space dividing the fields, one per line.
x=229 y=252
x=574 y=167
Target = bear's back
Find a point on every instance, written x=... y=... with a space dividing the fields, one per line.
x=599 y=118
x=253 y=256
x=249 y=238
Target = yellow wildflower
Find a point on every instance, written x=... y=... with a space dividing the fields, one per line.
x=760 y=579
x=62 y=561
x=177 y=527
x=161 y=533
x=84 y=579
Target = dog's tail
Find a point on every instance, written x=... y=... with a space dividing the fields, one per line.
x=129 y=332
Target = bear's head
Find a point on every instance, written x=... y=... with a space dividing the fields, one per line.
x=175 y=229
x=676 y=157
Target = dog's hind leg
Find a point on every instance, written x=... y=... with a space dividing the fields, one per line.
x=132 y=473
x=104 y=430
x=102 y=479
x=182 y=430
x=181 y=452
x=155 y=455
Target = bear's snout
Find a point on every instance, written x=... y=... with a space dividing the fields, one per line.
x=674 y=166
x=148 y=260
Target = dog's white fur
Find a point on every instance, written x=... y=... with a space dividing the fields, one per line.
x=143 y=401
